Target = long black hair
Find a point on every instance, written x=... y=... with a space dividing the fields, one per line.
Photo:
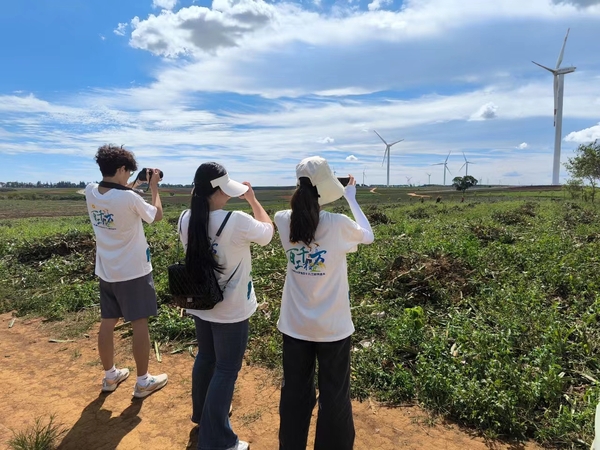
x=199 y=254
x=305 y=212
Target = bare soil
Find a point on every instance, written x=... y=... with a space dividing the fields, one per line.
x=39 y=378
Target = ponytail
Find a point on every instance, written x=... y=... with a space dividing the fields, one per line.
x=199 y=253
x=305 y=212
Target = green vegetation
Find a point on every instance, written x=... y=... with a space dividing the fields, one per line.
x=39 y=436
x=585 y=165
x=484 y=311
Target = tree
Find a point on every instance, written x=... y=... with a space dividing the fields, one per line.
x=464 y=183
x=586 y=165
x=574 y=187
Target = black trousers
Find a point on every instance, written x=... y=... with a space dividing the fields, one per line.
x=335 y=425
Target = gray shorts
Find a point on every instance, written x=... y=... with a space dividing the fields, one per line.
x=132 y=299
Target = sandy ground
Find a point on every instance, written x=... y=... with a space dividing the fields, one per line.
x=40 y=378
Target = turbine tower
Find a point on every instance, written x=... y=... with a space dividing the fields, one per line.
x=559 y=86
x=445 y=164
x=429 y=175
x=387 y=154
x=466 y=165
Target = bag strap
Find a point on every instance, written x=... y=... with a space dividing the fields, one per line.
x=224 y=223
x=179 y=235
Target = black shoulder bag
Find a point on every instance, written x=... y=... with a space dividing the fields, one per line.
x=201 y=291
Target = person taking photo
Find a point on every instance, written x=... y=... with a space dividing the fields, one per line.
x=315 y=317
x=221 y=241
x=123 y=263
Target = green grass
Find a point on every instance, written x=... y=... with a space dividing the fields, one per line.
x=485 y=311
x=39 y=436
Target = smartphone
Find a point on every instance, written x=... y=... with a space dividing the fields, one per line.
x=344 y=180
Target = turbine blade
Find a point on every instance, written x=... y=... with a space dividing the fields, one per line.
x=448 y=156
x=380 y=137
x=544 y=67
x=464 y=156
x=438 y=164
x=562 y=50
x=384 y=155
x=448 y=170
x=462 y=167
x=394 y=143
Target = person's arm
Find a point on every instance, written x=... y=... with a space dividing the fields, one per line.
x=257 y=210
x=359 y=215
x=153 y=183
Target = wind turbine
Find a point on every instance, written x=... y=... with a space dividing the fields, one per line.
x=559 y=86
x=387 y=154
x=408 y=180
x=429 y=175
x=445 y=164
x=364 y=170
x=466 y=164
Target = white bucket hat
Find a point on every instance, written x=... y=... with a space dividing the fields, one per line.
x=230 y=187
x=320 y=175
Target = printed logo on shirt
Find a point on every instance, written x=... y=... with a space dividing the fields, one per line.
x=102 y=218
x=307 y=260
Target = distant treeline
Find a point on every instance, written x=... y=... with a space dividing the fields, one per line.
x=40 y=184
x=82 y=184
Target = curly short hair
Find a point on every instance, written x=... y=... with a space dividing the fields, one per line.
x=110 y=157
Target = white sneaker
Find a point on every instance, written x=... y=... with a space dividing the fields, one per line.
x=241 y=445
x=110 y=384
x=155 y=382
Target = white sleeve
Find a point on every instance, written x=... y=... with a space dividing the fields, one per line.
x=361 y=220
x=145 y=210
x=253 y=230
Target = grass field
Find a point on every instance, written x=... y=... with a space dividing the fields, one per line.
x=484 y=311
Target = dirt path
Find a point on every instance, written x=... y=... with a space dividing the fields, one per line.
x=39 y=378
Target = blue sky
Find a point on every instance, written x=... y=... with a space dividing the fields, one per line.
x=259 y=85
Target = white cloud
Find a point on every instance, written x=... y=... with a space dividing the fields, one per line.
x=351 y=158
x=164 y=4
x=523 y=146
x=199 y=29
x=486 y=112
x=326 y=140
x=378 y=4
x=579 y=3
x=102 y=37
x=584 y=136
x=120 y=30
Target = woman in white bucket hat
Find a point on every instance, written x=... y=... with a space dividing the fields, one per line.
x=315 y=317
x=222 y=332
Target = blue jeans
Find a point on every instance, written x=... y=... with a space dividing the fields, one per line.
x=335 y=425
x=221 y=348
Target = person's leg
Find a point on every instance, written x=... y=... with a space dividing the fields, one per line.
x=204 y=366
x=230 y=340
x=141 y=345
x=335 y=425
x=110 y=313
x=137 y=301
x=105 y=342
x=298 y=395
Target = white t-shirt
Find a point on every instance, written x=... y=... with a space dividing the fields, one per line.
x=122 y=252
x=315 y=305
x=232 y=250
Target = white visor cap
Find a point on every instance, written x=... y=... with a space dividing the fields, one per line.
x=320 y=175
x=230 y=187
